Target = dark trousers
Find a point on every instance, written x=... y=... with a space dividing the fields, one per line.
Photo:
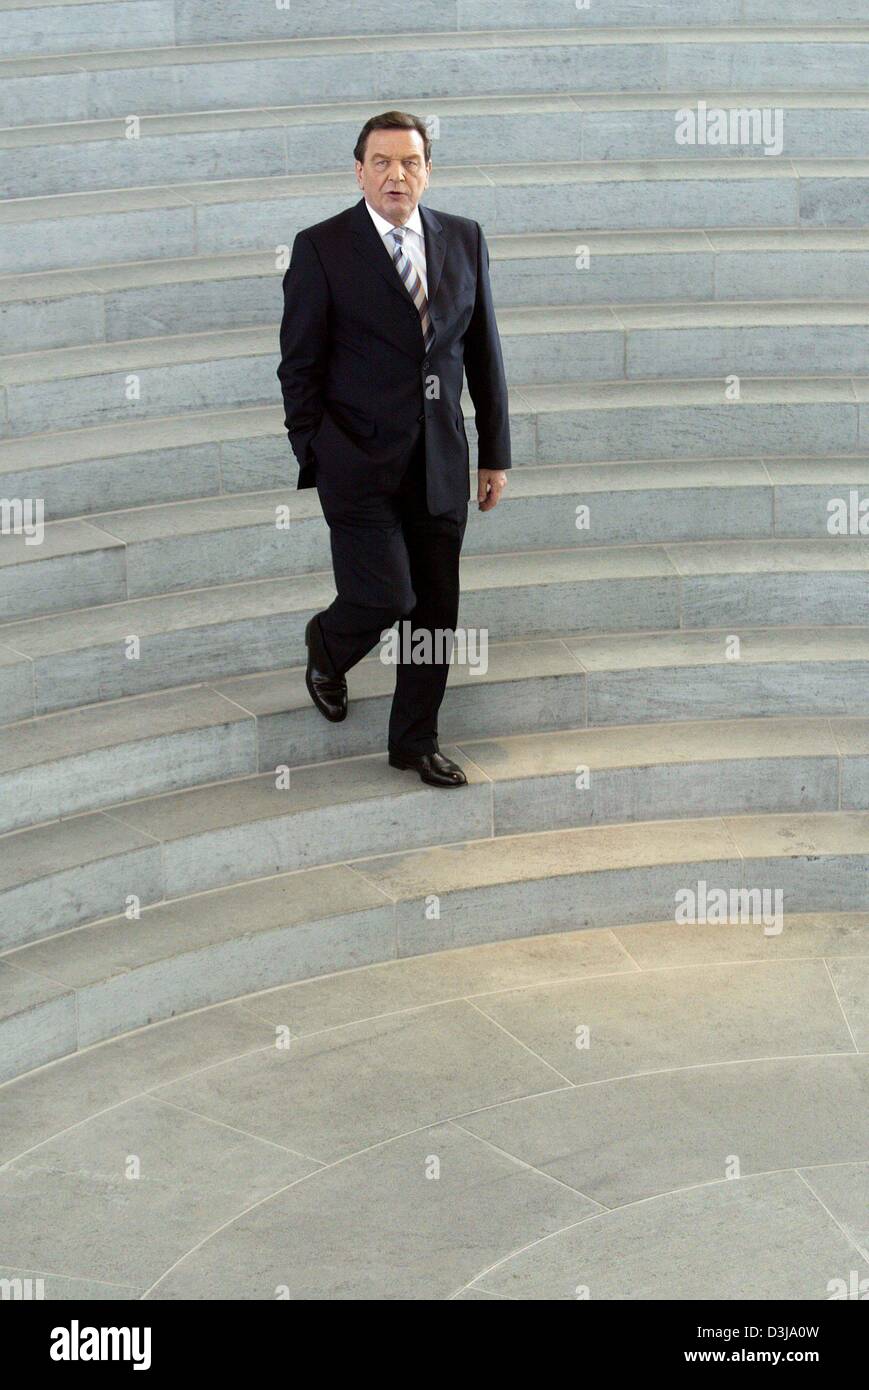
x=394 y=561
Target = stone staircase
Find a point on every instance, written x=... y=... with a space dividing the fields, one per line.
x=151 y=861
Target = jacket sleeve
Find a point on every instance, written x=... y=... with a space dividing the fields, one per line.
x=304 y=344
x=484 y=370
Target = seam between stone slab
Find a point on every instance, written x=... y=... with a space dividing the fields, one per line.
x=242 y=1002
x=222 y=720
x=42 y=975
x=842 y=760
x=111 y=813
x=119 y=1038
x=846 y=1232
x=690 y=1067
x=666 y=1071
x=842 y=1009
x=854 y=1052
x=644 y=1201
x=200 y=1070
x=519 y=989
x=524 y=1163
x=345 y=1158
x=833 y=721
x=518 y=1041
x=223 y=1124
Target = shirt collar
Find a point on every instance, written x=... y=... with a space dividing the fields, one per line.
x=413 y=223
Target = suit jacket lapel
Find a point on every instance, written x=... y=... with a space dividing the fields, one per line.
x=435 y=250
x=371 y=247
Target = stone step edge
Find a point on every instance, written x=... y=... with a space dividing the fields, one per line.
x=640 y=562
x=76 y=361
x=815 y=733
x=653 y=731
x=378 y=924
x=227 y=704
x=287 y=673
x=436 y=40
x=118 y=201
x=214 y=121
x=129 y=437
x=506 y=247
x=96 y=528
x=791 y=921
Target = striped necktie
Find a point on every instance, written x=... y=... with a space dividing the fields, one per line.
x=412 y=283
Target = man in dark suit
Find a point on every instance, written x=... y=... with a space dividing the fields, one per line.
x=385 y=305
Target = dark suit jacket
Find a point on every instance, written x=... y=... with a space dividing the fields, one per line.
x=358 y=387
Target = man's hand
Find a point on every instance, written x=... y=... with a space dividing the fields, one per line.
x=490 y=484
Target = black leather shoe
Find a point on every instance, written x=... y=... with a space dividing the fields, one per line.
x=328 y=692
x=433 y=768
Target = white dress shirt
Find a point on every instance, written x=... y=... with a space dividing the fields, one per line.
x=414 y=241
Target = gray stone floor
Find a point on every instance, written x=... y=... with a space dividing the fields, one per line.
x=648 y=1112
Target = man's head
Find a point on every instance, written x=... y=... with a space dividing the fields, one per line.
x=393 y=163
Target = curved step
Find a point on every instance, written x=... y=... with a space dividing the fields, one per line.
x=77 y=27
x=190 y=219
x=264 y=142
x=666 y=420
x=87 y=866
x=99 y=981
x=639 y=677
x=475 y=63
x=157 y=550
x=62 y=763
x=201 y=454
x=67 y=308
x=115 y=913
x=150 y=644
x=85 y=385
x=696 y=1031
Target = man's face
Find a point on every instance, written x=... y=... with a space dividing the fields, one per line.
x=394 y=174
